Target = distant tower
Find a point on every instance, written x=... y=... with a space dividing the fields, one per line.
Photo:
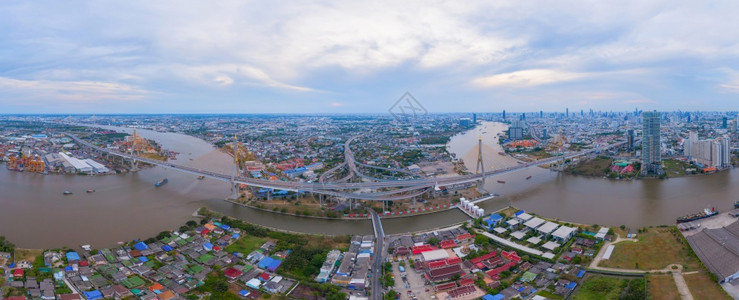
x=541 y=114
x=133 y=148
x=236 y=165
x=474 y=118
x=504 y=114
x=480 y=167
x=567 y=112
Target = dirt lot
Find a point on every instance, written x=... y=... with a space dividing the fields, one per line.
x=663 y=287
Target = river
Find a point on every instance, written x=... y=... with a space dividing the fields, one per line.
x=35 y=214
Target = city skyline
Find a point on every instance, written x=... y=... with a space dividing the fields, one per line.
x=83 y=57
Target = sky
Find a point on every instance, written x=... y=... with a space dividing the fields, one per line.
x=362 y=56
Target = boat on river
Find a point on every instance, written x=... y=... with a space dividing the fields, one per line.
x=706 y=213
x=90 y=191
x=161 y=182
x=736 y=204
x=67 y=193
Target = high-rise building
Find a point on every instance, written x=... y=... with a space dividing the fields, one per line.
x=465 y=122
x=504 y=114
x=651 y=145
x=630 y=139
x=724 y=122
x=567 y=112
x=515 y=133
x=544 y=134
x=474 y=118
x=541 y=114
x=582 y=113
x=708 y=153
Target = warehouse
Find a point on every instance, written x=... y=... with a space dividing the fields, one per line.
x=718 y=249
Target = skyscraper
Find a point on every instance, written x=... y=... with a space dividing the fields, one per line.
x=541 y=114
x=504 y=114
x=724 y=122
x=651 y=156
x=474 y=118
x=630 y=139
x=567 y=112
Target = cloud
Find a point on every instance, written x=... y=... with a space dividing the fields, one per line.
x=527 y=78
x=77 y=91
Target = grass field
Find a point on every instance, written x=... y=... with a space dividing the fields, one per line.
x=702 y=287
x=656 y=249
x=599 y=287
x=593 y=167
x=674 y=168
x=549 y=295
x=27 y=254
x=246 y=244
x=662 y=287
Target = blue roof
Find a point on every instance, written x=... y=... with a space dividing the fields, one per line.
x=581 y=273
x=73 y=256
x=167 y=248
x=208 y=246
x=518 y=213
x=235 y=235
x=68 y=269
x=225 y=227
x=143 y=259
x=495 y=217
x=571 y=285
x=269 y=263
x=141 y=246
x=217 y=223
x=244 y=293
x=93 y=295
x=491 y=297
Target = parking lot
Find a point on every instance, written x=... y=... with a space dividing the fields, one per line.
x=414 y=282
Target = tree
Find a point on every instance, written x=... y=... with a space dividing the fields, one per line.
x=191 y=224
x=433 y=241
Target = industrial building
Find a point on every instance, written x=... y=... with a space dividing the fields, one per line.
x=718 y=249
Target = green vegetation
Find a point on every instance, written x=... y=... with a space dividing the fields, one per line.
x=434 y=140
x=245 y=244
x=675 y=168
x=5 y=245
x=656 y=249
x=600 y=287
x=594 y=167
x=217 y=286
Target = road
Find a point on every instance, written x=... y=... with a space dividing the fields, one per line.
x=349 y=190
x=378 y=260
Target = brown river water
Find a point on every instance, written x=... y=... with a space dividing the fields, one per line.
x=35 y=214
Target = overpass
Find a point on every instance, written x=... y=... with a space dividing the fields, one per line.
x=384 y=190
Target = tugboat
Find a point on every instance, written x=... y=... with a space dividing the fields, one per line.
x=90 y=191
x=501 y=181
x=201 y=177
x=706 y=213
x=529 y=177
x=161 y=182
x=67 y=193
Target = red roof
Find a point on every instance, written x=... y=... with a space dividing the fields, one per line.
x=462 y=291
x=216 y=248
x=513 y=256
x=205 y=231
x=264 y=276
x=16 y=298
x=446 y=286
x=444 y=273
x=232 y=273
x=436 y=264
x=465 y=236
x=484 y=257
x=84 y=263
x=466 y=281
x=423 y=248
x=500 y=269
x=18 y=272
x=453 y=261
x=446 y=244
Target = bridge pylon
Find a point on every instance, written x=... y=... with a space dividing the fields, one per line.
x=480 y=166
